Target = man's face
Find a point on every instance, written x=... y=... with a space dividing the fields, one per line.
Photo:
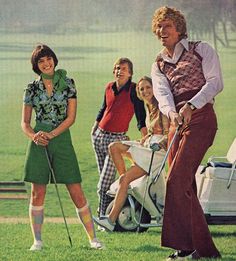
x=167 y=33
x=122 y=72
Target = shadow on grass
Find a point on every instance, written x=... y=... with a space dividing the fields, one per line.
x=148 y=248
x=224 y=234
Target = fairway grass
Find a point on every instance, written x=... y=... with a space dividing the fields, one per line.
x=119 y=246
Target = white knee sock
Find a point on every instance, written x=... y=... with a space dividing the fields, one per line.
x=36 y=214
x=86 y=219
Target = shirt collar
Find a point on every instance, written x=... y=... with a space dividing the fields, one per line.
x=40 y=83
x=124 y=87
x=179 y=47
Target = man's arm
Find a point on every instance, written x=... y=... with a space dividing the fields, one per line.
x=99 y=116
x=164 y=96
x=212 y=73
x=102 y=109
x=139 y=111
x=161 y=90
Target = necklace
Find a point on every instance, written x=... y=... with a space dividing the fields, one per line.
x=48 y=84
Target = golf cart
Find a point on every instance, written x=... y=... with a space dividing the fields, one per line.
x=216 y=183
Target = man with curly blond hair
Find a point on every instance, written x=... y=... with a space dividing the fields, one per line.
x=186 y=77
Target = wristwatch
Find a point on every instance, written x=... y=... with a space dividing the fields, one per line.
x=192 y=107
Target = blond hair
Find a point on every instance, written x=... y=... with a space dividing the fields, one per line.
x=173 y=14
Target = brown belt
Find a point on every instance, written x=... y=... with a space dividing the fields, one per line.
x=111 y=133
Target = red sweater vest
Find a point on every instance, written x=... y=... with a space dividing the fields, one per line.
x=119 y=110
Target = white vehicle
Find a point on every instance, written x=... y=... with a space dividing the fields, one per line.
x=216 y=192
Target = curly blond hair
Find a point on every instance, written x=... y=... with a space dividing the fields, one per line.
x=173 y=14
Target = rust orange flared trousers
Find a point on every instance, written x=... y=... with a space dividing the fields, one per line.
x=184 y=223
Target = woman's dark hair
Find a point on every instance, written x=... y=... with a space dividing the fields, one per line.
x=40 y=51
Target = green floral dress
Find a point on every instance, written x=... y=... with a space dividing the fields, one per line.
x=49 y=109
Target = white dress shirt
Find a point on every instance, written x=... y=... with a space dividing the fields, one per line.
x=211 y=70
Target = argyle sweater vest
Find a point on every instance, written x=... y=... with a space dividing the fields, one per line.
x=186 y=77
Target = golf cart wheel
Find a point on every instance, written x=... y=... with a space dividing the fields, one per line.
x=124 y=221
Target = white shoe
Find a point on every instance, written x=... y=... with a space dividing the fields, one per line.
x=102 y=229
x=105 y=223
x=37 y=246
x=96 y=244
x=181 y=255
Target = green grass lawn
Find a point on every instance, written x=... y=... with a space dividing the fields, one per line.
x=119 y=246
x=88 y=58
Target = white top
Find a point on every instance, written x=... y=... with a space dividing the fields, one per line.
x=211 y=71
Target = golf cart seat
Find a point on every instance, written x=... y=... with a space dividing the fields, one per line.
x=217 y=186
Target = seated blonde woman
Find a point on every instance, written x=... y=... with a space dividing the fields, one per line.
x=138 y=151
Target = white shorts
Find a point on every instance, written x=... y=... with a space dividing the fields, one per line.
x=141 y=154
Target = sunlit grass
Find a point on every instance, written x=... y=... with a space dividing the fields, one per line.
x=119 y=246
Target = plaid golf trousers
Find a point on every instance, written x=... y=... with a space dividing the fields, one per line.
x=106 y=168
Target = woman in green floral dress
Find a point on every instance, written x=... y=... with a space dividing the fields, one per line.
x=53 y=98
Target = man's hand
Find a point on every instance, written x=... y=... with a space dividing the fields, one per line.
x=186 y=113
x=176 y=118
x=94 y=128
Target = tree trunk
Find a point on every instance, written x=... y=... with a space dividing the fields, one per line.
x=225 y=34
x=214 y=35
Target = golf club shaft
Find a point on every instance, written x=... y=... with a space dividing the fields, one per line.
x=57 y=191
x=166 y=155
x=145 y=192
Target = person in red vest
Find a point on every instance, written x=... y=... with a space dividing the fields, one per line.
x=112 y=122
x=139 y=153
x=186 y=77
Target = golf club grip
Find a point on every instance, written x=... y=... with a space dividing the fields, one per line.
x=49 y=161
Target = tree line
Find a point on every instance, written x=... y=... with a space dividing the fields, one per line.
x=215 y=18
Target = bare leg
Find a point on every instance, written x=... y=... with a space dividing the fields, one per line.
x=133 y=173
x=38 y=192
x=77 y=194
x=117 y=151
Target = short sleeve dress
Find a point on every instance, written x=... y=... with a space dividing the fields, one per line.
x=51 y=111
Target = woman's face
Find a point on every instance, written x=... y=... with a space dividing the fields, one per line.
x=167 y=33
x=46 y=65
x=145 y=91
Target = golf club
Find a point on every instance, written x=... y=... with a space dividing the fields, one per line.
x=57 y=191
x=145 y=192
x=166 y=155
x=158 y=174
